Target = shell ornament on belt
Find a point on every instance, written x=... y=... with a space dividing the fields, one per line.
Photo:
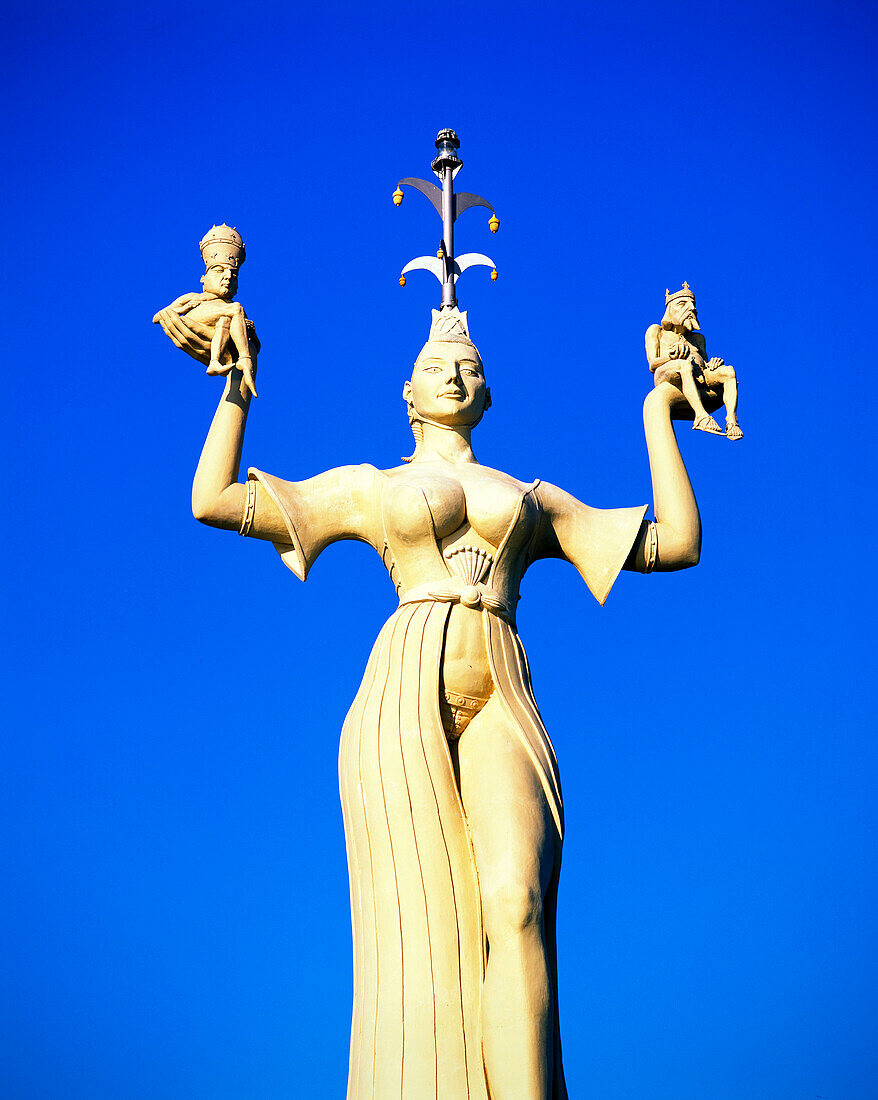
x=470 y=563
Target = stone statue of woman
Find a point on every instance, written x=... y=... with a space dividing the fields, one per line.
x=449 y=782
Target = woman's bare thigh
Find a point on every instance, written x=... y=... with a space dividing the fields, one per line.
x=512 y=828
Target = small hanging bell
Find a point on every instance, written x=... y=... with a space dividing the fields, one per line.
x=402 y=280
x=494 y=274
x=440 y=255
x=398 y=196
x=494 y=223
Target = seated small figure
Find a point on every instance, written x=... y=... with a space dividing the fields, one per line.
x=677 y=353
x=222 y=250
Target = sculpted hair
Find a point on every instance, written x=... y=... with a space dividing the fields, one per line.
x=417 y=431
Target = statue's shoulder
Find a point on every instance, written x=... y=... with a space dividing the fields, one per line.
x=654 y=330
x=393 y=471
x=341 y=478
x=364 y=476
x=362 y=470
x=469 y=474
x=506 y=479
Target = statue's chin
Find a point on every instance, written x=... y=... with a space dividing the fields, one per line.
x=456 y=417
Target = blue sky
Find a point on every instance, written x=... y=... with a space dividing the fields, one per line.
x=178 y=924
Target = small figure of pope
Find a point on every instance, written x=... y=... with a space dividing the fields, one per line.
x=222 y=250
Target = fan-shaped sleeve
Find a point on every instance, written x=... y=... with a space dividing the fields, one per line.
x=343 y=503
x=596 y=540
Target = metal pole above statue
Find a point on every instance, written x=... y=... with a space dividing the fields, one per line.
x=449 y=206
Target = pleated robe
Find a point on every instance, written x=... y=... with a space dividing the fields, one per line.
x=419 y=943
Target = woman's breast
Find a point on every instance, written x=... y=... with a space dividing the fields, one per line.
x=491 y=506
x=486 y=506
x=425 y=507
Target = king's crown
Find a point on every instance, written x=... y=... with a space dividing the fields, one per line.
x=684 y=293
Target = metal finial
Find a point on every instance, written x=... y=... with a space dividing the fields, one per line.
x=449 y=206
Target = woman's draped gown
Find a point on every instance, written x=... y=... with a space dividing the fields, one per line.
x=419 y=943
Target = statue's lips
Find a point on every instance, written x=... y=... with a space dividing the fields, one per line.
x=456 y=394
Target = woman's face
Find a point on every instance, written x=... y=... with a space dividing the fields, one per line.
x=448 y=384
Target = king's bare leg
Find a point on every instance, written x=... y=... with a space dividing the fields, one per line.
x=730 y=399
x=703 y=420
x=726 y=377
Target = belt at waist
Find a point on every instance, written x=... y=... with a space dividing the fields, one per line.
x=470 y=595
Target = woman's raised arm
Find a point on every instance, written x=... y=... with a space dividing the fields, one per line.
x=677 y=527
x=218 y=498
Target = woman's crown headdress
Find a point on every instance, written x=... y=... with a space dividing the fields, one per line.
x=223 y=245
x=449 y=326
x=449 y=206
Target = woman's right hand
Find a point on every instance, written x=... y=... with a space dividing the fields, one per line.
x=190 y=336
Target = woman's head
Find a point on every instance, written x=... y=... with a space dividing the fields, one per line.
x=447 y=386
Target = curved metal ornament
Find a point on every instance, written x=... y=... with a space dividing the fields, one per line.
x=437 y=266
x=463 y=200
x=472 y=259
x=426 y=263
x=449 y=206
x=433 y=193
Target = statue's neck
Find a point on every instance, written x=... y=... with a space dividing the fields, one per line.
x=445 y=444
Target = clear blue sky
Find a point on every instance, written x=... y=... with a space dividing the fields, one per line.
x=178 y=925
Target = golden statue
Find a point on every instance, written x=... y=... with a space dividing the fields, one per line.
x=449 y=782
